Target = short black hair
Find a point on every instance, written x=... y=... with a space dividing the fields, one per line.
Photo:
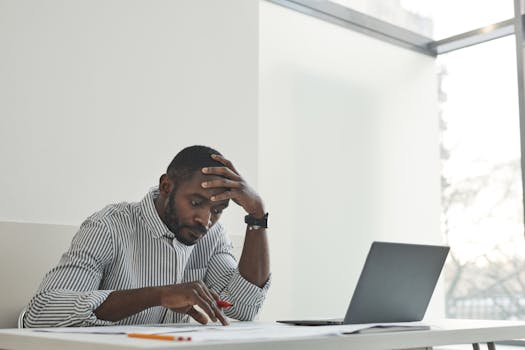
x=189 y=160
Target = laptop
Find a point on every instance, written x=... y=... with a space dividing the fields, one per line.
x=395 y=285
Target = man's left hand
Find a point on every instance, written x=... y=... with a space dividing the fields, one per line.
x=238 y=189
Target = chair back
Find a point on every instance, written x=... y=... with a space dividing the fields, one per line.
x=27 y=252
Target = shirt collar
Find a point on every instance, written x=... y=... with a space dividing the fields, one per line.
x=157 y=227
x=151 y=216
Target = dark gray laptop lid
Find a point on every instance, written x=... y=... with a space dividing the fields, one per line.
x=396 y=283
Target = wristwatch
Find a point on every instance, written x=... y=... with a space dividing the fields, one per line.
x=254 y=223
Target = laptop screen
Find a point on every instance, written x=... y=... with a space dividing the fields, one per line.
x=396 y=283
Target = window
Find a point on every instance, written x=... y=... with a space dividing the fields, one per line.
x=482 y=206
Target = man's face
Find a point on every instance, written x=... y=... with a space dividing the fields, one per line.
x=189 y=213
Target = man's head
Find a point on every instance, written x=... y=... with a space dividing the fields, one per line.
x=183 y=204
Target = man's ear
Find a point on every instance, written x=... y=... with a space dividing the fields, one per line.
x=165 y=184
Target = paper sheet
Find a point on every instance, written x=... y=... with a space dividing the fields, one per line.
x=284 y=331
x=149 y=329
x=236 y=331
x=119 y=329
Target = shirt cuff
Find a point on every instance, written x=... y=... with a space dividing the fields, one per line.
x=89 y=303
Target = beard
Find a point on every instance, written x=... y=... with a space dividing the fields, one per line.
x=171 y=217
x=173 y=223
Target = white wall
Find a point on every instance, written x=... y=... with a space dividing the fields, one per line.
x=97 y=96
x=348 y=154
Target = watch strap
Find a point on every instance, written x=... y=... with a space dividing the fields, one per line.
x=256 y=223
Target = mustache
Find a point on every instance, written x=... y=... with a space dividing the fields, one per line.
x=196 y=228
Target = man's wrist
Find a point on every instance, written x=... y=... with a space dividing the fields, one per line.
x=256 y=223
x=258 y=212
x=158 y=295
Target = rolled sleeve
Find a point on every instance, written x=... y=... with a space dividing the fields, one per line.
x=63 y=308
x=223 y=277
x=246 y=297
x=69 y=293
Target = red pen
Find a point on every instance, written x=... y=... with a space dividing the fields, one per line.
x=224 y=304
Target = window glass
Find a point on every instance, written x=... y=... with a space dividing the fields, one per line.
x=482 y=207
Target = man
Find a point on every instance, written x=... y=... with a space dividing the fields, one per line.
x=155 y=260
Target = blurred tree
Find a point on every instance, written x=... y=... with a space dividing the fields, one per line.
x=489 y=285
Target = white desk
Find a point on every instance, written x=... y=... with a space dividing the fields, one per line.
x=444 y=332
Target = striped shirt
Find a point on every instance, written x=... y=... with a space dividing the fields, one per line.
x=127 y=246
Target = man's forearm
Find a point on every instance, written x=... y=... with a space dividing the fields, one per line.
x=124 y=303
x=254 y=264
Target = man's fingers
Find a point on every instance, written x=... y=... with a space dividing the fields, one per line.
x=206 y=307
x=220 y=315
x=213 y=311
x=223 y=196
x=223 y=319
x=225 y=161
x=211 y=307
x=209 y=300
x=184 y=298
x=233 y=195
x=221 y=183
x=222 y=171
x=197 y=315
x=205 y=300
x=214 y=295
x=207 y=294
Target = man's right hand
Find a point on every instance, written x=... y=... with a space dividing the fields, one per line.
x=178 y=297
x=182 y=297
